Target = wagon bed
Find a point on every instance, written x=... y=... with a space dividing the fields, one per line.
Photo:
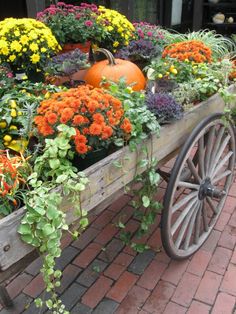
x=106 y=182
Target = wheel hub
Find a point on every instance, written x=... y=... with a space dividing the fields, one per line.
x=207 y=189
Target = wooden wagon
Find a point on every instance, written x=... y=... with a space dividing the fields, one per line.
x=202 y=172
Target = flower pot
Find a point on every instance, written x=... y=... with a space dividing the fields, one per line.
x=90 y=158
x=84 y=47
x=59 y=80
x=35 y=77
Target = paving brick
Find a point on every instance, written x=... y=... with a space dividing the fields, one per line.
x=34 y=268
x=208 y=287
x=232 y=191
x=229 y=205
x=80 y=308
x=119 y=203
x=128 y=250
x=122 y=286
x=198 y=308
x=106 y=306
x=229 y=283
x=233 y=259
x=68 y=276
x=72 y=295
x=85 y=238
x=21 y=302
x=123 y=259
x=224 y=304
x=186 y=289
x=106 y=234
x=152 y=275
x=66 y=240
x=228 y=238
x=124 y=215
x=175 y=271
x=232 y=221
x=87 y=255
x=90 y=275
x=95 y=293
x=155 y=240
x=222 y=221
x=212 y=241
x=114 y=271
x=35 y=287
x=68 y=254
x=111 y=250
x=103 y=219
x=133 y=301
x=174 y=308
x=141 y=261
x=131 y=226
x=18 y=284
x=220 y=260
x=199 y=262
x=159 y=298
x=162 y=257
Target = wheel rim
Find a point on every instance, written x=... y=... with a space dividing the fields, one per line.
x=198 y=188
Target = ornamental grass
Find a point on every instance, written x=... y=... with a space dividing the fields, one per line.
x=97 y=117
x=192 y=50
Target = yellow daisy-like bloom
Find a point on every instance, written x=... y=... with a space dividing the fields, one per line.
x=35 y=58
x=119 y=29
x=26 y=42
x=33 y=47
x=16 y=46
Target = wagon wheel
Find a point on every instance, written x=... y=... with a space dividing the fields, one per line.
x=198 y=187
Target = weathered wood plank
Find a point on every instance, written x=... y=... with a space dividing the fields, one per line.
x=106 y=179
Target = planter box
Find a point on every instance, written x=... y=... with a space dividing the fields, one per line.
x=107 y=181
x=59 y=80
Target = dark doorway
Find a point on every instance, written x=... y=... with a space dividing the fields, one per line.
x=13 y=8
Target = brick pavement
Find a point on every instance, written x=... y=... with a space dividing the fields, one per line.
x=102 y=276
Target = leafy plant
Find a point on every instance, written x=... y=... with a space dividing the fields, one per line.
x=53 y=178
x=164 y=107
x=139 y=51
x=67 y=63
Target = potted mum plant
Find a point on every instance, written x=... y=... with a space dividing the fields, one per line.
x=26 y=45
x=97 y=117
x=73 y=26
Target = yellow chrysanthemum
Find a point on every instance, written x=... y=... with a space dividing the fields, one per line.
x=35 y=58
x=16 y=46
x=24 y=39
x=12 y=58
x=34 y=47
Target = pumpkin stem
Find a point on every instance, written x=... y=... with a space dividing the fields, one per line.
x=108 y=55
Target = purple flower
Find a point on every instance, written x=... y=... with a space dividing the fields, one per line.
x=88 y=23
x=149 y=34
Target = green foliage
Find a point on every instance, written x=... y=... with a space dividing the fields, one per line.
x=53 y=178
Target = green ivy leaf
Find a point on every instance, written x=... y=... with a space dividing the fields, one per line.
x=27 y=238
x=146 y=201
x=61 y=178
x=52 y=212
x=54 y=163
x=25 y=229
x=48 y=229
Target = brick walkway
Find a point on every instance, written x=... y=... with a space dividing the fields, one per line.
x=102 y=276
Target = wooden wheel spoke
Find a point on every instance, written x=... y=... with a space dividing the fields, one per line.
x=198 y=225
x=212 y=205
x=193 y=170
x=188 y=185
x=191 y=227
x=222 y=163
x=201 y=158
x=183 y=201
x=209 y=146
x=185 y=225
x=204 y=217
x=187 y=212
x=221 y=176
x=217 y=144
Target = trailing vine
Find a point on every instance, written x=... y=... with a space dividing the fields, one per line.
x=53 y=178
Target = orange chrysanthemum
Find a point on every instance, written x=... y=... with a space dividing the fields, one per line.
x=192 y=50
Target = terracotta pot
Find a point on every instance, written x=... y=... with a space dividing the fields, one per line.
x=84 y=47
x=59 y=80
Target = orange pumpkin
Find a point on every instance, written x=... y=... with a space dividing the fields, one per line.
x=113 y=69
